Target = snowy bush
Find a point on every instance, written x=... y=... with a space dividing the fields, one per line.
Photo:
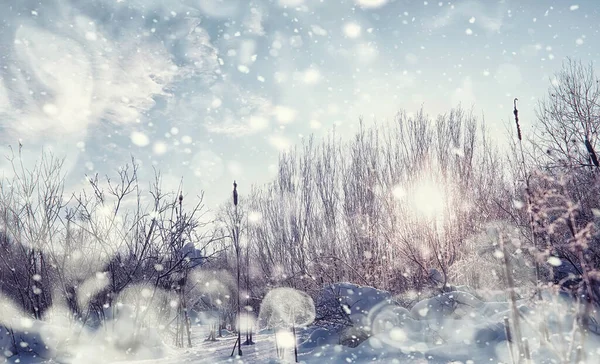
x=345 y=304
x=285 y=308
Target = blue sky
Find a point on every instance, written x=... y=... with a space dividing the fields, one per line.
x=213 y=90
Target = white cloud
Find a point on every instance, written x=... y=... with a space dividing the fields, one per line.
x=76 y=85
x=4 y=101
x=60 y=72
x=228 y=126
x=247 y=52
x=240 y=113
x=290 y=2
x=219 y=8
x=132 y=78
x=253 y=22
x=296 y=41
x=371 y=3
x=318 y=30
x=201 y=55
x=82 y=80
x=469 y=10
x=258 y=122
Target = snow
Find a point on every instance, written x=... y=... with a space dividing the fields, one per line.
x=455 y=326
x=318 y=338
x=140 y=139
x=285 y=307
x=352 y=30
x=95 y=79
x=371 y=3
x=160 y=148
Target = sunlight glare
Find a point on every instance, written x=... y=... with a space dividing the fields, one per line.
x=254 y=217
x=429 y=199
x=398 y=192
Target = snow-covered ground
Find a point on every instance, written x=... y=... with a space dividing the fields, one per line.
x=212 y=352
x=264 y=351
x=453 y=327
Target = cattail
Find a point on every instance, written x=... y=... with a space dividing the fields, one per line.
x=526 y=353
x=509 y=339
x=235 y=194
x=236 y=242
x=516 y=112
x=592 y=153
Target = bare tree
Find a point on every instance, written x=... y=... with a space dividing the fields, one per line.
x=112 y=242
x=334 y=211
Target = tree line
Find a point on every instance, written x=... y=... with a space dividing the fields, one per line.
x=337 y=210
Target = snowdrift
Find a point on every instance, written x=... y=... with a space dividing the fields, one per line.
x=60 y=338
x=453 y=326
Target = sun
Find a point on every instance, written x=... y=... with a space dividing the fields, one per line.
x=428 y=200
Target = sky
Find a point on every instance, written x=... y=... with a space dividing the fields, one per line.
x=213 y=90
